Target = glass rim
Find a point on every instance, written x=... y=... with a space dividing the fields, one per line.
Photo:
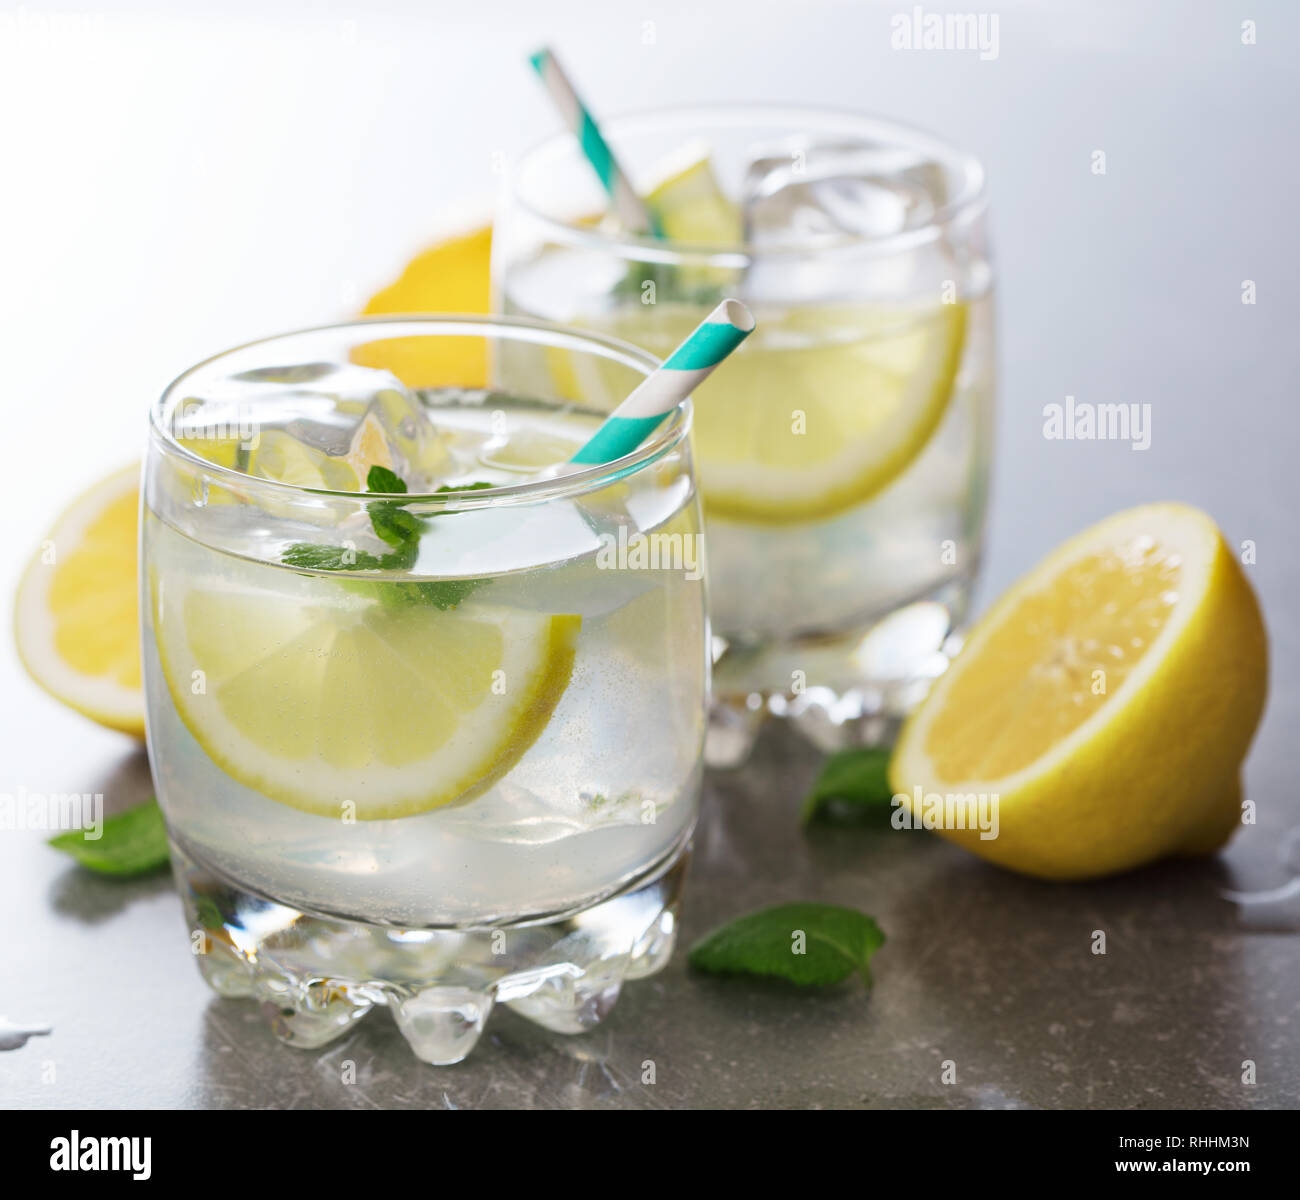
x=971 y=201
x=452 y=325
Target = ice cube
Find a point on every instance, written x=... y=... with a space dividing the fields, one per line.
x=317 y=425
x=418 y=450
x=802 y=194
x=811 y=190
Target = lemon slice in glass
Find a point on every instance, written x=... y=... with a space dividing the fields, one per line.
x=821 y=409
x=323 y=697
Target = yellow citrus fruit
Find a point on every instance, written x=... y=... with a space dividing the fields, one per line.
x=76 y=616
x=821 y=409
x=693 y=209
x=1107 y=700
x=451 y=277
x=319 y=696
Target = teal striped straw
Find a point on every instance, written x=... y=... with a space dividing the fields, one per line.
x=630 y=208
x=669 y=384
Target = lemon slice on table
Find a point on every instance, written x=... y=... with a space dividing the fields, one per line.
x=76 y=619
x=322 y=696
x=1107 y=699
x=821 y=409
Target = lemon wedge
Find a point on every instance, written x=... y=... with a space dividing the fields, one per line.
x=692 y=207
x=1107 y=700
x=320 y=696
x=76 y=618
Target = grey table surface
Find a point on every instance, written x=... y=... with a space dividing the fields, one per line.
x=1122 y=287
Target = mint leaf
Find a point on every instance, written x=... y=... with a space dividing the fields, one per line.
x=381 y=479
x=391 y=522
x=131 y=843
x=853 y=784
x=401 y=530
x=315 y=557
x=395 y=525
x=208 y=913
x=440 y=593
x=835 y=943
x=447 y=593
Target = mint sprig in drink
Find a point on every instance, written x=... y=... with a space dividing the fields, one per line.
x=843 y=455
x=425 y=705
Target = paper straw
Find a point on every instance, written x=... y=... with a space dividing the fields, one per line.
x=668 y=385
x=629 y=207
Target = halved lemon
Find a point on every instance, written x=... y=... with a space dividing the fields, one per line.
x=76 y=616
x=321 y=696
x=452 y=277
x=1107 y=700
x=821 y=408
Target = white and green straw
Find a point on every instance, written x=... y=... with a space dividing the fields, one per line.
x=630 y=208
x=669 y=384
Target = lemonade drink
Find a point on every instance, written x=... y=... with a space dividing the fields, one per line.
x=843 y=456
x=448 y=733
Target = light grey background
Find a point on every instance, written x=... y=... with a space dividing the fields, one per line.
x=181 y=177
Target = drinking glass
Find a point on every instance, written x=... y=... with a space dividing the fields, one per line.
x=843 y=455
x=436 y=749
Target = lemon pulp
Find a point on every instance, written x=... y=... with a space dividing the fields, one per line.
x=1055 y=660
x=1107 y=701
x=821 y=409
x=76 y=620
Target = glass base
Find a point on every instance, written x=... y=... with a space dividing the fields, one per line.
x=839 y=690
x=317 y=976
